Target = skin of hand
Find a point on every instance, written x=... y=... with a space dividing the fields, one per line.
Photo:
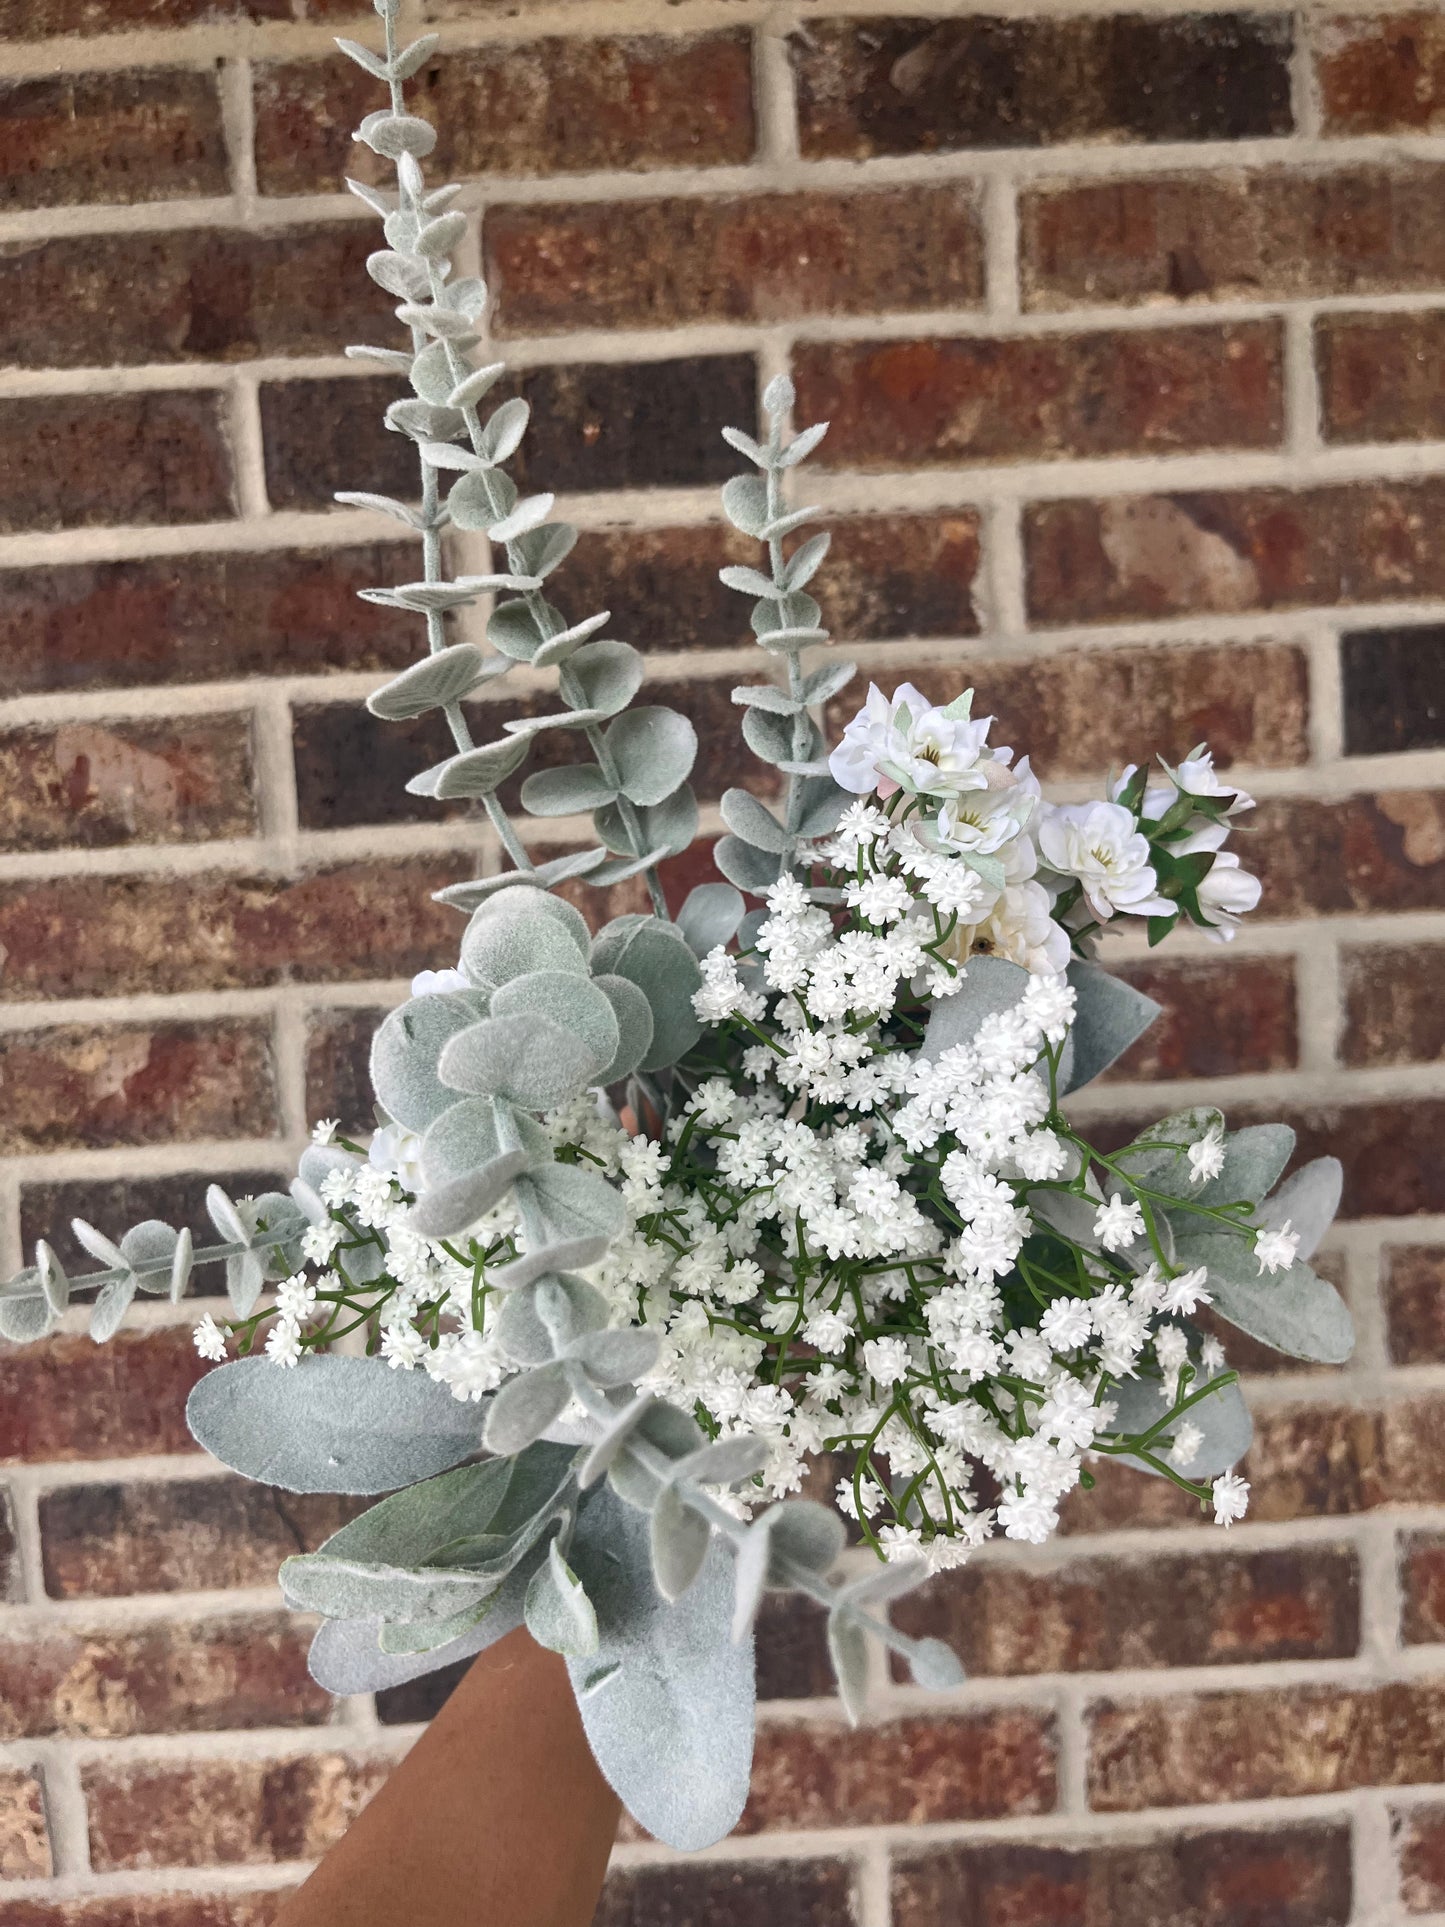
x=498 y=1816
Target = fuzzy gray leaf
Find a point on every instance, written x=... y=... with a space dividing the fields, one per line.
x=330 y=1424
x=1253 y=1161
x=1307 y=1202
x=654 y=750
x=805 y=561
x=826 y=682
x=571 y=1001
x=405 y=1052
x=540 y=551
x=529 y=1060
x=935 y=1666
x=1223 y=1418
x=749 y=819
x=766 y=695
x=523 y=1409
x=608 y=675
x=563 y=1202
x=475 y=772
x=802 y=444
x=530 y=513
x=346 y=1655
x=470 y=391
x=725 y=1461
x=502 y=435
x=529 y=1339
x=615 y=1357
x=567 y=642
x=559 y=1613
x=679 y=1538
x=1295 y=1311
x=25 y=1312
x=753 y=870
x=448 y=1209
x=655 y=956
x=1111 y=1015
x=749 y=582
x=745 y=503
x=431 y=683
x=515 y=934
x=471 y=1135
x=710 y=917
x=634 y=1026
x=848 y=1650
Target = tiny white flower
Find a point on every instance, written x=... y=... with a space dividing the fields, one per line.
x=296 y=1298
x=1187 y=1292
x=209 y=1339
x=1187 y=1441
x=283 y=1342
x=1276 y=1250
x=1206 y=1156
x=436 y=983
x=1211 y=1356
x=324 y=1130
x=1231 y=1498
x=1118 y=1222
x=886 y=1359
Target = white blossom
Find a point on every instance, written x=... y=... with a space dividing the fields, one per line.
x=210 y=1340
x=1276 y=1250
x=1231 y=1498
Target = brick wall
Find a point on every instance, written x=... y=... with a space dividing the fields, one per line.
x=1130 y=328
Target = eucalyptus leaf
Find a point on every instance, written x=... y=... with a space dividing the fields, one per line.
x=25 y=1311
x=656 y=958
x=679 y=1539
x=653 y=750
x=449 y=1209
x=346 y=1655
x=476 y=772
x=431 y=683
x=513 y=938
x=935 y=1666
x=607 y=675
x=527 y=1059
x=526 y=1337
x=753 y=870
x=710 y=917
x=469 y=1136
x=751 y=820
x=567 y=791
x=1307 y=1202
x=405 y=1052
x=572 y=1002
x=524 y=1407
x=563 y=1202
x=615 y=1357
x=1110 y=1015
x=330 y=1423
x=633 y=1015
x=559 y=1613
x=848 y=1650
x=502 y=434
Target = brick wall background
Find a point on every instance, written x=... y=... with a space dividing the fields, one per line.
x=1130 y=328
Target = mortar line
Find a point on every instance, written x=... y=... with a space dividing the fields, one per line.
x=872 y=1884
x=65 y=1810
x=1319 y=1006
x=774 y=93
x=238 y=123
x=1302 y=438
x=999 y=218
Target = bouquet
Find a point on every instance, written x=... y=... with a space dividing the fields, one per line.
x=776 y=1183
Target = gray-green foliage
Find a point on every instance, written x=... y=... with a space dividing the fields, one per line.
x=778 y=725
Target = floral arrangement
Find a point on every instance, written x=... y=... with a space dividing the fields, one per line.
x=663 y=1219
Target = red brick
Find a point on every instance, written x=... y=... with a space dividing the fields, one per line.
x=1420 y=1842
x=595 y=425
x=904 y=1772
x=1413 y=1287
x=160 y=1678
x=88 y=1086
x=1378 y=376
x=177 y=1535
x=68 y=461
x=137 y=136
x=970 y=398
x=1412 y=1451
x=1354 y=853
x=24 y=1835
x=1263 y=1745
x=202 y=1813
x=1138 y=557
x=67 y=1398
x=201 y=618
x=114 y=1204
x=188 y=294
x=881 y=86
x=1393 y=688
x=12 y=1579
x=658 y=264
x=1249 y=235
x=39 y=19
x=1394 y=1004
x=692 y=1893
x=1084 y=711
x=1221 y=1019
x=338 y=1076
x=97 y=784
x=1381 y=73
x=1422 y=1587
x=105 y=936
x=524 y=107
x=1297 y=1876
x=152 y=1910
x=1095 y=1615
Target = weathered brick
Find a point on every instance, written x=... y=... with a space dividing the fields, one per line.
x=152 y=1910
x=658 y=264
x=803 y=1893
x=1083 y=711
x=1263 y=1745
x=1141 y=556
x=1249 y=235
x=104 y=936
x=68 y=1398
x=1394 y=689
x=1412 y=1451
x=1378 y=378
x=338 y=1076
x=208 y=295
x=1354 y=853
x=114 y=1204
x=792 y=1649
x=1097 y=1615
x=177 y=1535
x=202 y=618
x=881 y=86
x=968 y=398
x=1394 y=1004
x=905 y=1771
x=199 y=1813
x=595 y=425
x=68 y=461
x=98 y=784
x=39 y=19
x=1419 y=1834
x=86 y=1086
x=550 y=106
x=1413 y=1288
x=1221 y=1019
x=159 y=1678
x=24 y=1835
x=1298 y=1876
x=1381 y=73
x=135 y=136
x=1422 y=1588
x=12 y=1580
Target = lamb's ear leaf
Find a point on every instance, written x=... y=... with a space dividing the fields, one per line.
x=1253 y=1160
x=1223 y=1418
x=1307 y=1202
x=667 y=1700
x=1295 y=1310
x=935 y=1666
x=559 y=1613
x=710 y=916
x=346 y=1654
x=679 y=1543
x=990 y=985
x=848 y=1650
x=331 y=1424
x=1110 y=1016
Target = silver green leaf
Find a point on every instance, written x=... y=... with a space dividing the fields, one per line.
x=654 y=750
x=431 y=683
x=710 y=917
x=405 y=1052
x=679 y=1538
x=559 y=1613
x=528 y=1060
x=1110 y=1016
x=751 y=820
x=1295 y=1311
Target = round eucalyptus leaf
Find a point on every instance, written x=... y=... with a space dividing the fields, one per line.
x=447 y=1210
x=150 y=1251
x=710 y=917
x=1222 y=1416
x=512 y=627
x=526 y=1337
x=508 y=939
x=656 y=957
x=562 y=1202
x=633 y=1014
x=654 y=750
x=571 y=1001
x=608 y=675
x=431 y=683
x=1110 y=1015
x=477 y=772
x=523 y=1409
x=750 y=869
x=527 y=1059
x=615 y=1357
x=25 y=1313
x=468 y=1136
x=405 y=1052
x=567 y=642
x=567 y=791
x=431 y=373
x=111 y=1304
x=935 y=1666
x=746 y=817
x=539 y=551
